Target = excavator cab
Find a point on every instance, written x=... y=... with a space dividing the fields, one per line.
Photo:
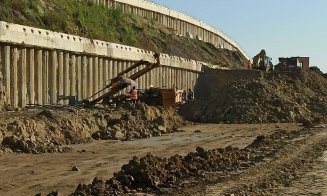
x=262 y=62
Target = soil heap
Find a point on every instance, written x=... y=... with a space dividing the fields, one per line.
x=45 y=130
x=153 y=174
x=296 y=96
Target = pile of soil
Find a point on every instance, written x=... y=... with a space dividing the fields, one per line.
x=152 y=174
x=296 y=96
x=47 y=129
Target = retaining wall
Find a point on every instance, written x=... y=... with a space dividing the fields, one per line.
x=178 y=22
x=38 y=66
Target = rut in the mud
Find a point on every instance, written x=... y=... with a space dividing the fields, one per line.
x=282 y=170
x=153 y=174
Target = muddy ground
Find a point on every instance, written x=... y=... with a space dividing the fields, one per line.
x=297 y=168
x=28 y=174
x=267 y=166
x=117 y=151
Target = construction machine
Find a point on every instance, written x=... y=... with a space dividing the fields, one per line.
x=120 y=83
x=162 y=97
x=262 y=62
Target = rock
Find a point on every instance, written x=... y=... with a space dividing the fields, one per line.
x=75 y=169
x=162 y=129
x=55 y=193
x=156 y=132
x=116 y=127
x=114 y=116
x=102 y=123
x=1 y=137
x=197 y=131
x=32 y=138
x=47 y=113
x=119 y=135
x=16 y=144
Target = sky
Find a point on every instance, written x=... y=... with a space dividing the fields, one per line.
x=284 y=28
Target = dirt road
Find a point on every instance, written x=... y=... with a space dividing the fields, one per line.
x=28 y=174
x=297 y=168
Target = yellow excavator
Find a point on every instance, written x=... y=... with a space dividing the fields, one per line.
x=262 y=62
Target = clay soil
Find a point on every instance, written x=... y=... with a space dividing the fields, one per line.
x=28 y=174
x=297 y=168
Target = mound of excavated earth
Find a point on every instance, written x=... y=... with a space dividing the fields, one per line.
x=254 y=97
x=152 y=174
x=46 y=129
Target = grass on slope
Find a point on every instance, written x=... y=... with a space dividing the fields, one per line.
x=69 y=16
x=97 y=22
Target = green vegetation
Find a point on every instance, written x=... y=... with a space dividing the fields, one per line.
x=83 y=18
x=97 y=22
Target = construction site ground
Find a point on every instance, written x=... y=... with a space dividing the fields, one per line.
x=28 y=174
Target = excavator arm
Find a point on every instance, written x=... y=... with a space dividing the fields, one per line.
x=115 y=86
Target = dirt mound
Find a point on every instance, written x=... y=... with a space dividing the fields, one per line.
x=153 y=174
x=149 y=173
x=45 y=130
x=274 y=97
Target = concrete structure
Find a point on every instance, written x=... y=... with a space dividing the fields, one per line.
x=178 y=22
x=38 y=66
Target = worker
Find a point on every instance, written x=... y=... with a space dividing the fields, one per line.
x=127 y=82
x=190 y=95
x=249 y=64
x=184 y=96
x=133 y=96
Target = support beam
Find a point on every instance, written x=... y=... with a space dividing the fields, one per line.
x=61 y=75
x=90 y=77
x=84 y=77
x=66 y=76
x=14 y=76
x=79 y=78
x=39 y=77
x=53 y=77
x=22 y=90
x=73 y=75
x=101 y=75
x=95 y=76
x=31 y=75
x=7 y=73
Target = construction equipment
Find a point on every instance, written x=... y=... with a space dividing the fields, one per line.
x=119 y=82
x=262 y=62
x=162 y=97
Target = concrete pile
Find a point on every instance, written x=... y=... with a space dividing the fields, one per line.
x=3 y=105
x=152 y=174
x=45 y=130
x=295 y=96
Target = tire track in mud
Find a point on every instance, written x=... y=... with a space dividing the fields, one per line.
x=273 y=176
